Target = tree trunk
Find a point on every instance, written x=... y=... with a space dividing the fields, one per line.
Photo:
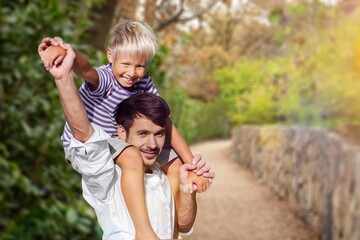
x=102 y=17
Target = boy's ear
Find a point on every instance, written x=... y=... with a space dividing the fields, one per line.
x=122 y=133
x=109 y=55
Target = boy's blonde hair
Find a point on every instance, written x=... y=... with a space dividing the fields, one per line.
x=134 y=38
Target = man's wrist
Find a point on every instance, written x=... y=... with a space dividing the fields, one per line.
x=185 y=188
x=64 y=77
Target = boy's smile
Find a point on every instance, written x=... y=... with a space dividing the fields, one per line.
x=128 y=70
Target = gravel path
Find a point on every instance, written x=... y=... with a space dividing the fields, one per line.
x=238 y=206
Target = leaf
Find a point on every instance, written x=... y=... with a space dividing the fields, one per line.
x=71 y=216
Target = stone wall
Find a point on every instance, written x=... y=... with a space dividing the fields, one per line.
x=316 y=171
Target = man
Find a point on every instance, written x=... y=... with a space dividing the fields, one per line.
x=90 y=155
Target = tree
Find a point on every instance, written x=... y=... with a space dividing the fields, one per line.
x=159 y=14
x=102 y=16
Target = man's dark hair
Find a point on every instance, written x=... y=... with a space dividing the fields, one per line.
x=142 y=104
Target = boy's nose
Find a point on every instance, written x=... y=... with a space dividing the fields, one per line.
x=131 y=71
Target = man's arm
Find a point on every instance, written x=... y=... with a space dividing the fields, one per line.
x=187 y=206
x=72 y=105
x=101 y=173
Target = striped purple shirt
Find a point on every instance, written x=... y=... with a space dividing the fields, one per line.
x=101 y=103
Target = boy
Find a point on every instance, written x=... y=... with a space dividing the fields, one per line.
x=142 y=123
x=131 y=48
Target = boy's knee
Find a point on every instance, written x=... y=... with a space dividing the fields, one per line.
x=172 y=167
x=130 y=157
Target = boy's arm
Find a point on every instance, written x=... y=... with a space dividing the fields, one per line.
x=182 y=149
x=81 y=66
x=83 y=69
x=178 y=143
x=132 y=186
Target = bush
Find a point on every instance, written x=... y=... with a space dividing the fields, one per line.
x=40 y=195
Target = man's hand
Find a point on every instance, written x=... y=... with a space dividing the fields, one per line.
x=199 y=183
x=186 y=185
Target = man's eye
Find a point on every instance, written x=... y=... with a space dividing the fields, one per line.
x=160 y=134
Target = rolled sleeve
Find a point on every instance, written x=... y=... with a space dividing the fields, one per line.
x=187 y=233
x=94 y=162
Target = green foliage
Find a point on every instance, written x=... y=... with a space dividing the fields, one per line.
x=40 y=195
x=300 y=104
x=298 y=10
x=267 y=92
x=194 y=119
x=210 y=120
x=314 y=84
x=249 y=90
x=333 y=68
x=154 y=69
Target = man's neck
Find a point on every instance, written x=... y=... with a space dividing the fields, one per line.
x=148 y=170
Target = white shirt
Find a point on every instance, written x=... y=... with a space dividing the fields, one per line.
x=101 y=189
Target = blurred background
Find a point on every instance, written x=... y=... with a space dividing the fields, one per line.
x=220 y=64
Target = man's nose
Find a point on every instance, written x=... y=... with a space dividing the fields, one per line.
x=151 y=142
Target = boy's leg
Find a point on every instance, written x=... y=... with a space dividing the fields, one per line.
x=132 y=186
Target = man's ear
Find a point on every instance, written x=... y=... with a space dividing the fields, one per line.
x=109 y=55
x=122 y=133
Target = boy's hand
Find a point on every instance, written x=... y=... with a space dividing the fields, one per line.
x=47 y=42
x=53 y=56
x=202 y=167
x=190 y=182
x=199 y=183
x=63 y=69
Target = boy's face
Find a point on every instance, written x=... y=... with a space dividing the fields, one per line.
x=146 y=136
x=128 y=70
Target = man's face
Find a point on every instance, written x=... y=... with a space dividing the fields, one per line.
x=148 y=137
x=128 y=70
